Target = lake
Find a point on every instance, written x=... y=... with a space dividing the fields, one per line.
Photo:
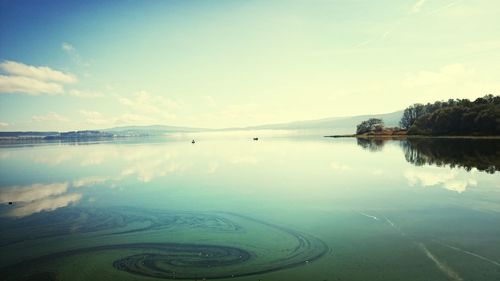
x=280 y=208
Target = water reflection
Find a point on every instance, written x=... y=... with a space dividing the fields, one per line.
x=90 y=181
x=37 y=198
x=46 y=204
x=482 y=154
x=31 y=192
x=76 y=169
x=435 y=176
x=370 y=144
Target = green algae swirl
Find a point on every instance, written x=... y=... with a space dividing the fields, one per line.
x=176 y=257
x=130 y=244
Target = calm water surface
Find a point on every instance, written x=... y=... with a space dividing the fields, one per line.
x=236 y=209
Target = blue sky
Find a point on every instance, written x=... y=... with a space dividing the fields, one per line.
x=68 y=65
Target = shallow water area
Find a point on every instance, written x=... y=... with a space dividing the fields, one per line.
x=276 y=208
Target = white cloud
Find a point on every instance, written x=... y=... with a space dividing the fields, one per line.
x=51 y=116
x=136 y=119
x=417 y=6
x=458 y=79
x=238 y=110
x=447 y=74
x=159 y=109
x=97 y=118
x=73 y=54
x=41 y=73
x=84 y=94
x=68 y=48
x=32 y=80
x=4 y=125
x=146 y=103
x=19 y=84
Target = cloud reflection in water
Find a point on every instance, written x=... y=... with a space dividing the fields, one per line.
x=37 y=197
x=435 y=176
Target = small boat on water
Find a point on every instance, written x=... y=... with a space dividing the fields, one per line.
x=255 y=139
x=192 y=141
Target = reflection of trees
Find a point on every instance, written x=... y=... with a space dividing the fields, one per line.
x=481 y=154
x=372 y=144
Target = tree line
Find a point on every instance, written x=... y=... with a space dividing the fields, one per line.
x=454 y=117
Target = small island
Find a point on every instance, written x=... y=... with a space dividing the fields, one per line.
x=452 y=118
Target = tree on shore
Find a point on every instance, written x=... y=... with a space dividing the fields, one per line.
x=370 y=125
x=454 y=117
x=411 y=114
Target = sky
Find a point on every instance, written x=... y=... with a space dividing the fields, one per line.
x=75 y=65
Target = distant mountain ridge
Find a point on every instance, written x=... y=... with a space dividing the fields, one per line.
x=155 y=128
x=332 y=124
x=343 y=124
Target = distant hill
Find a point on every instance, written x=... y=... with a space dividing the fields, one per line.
x=152 y=130
x=337 y=125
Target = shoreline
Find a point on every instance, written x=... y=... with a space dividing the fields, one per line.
x=410 y=136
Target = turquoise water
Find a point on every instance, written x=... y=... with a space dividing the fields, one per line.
x=273 y=209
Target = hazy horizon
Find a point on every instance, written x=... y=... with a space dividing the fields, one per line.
x=254 y=126
x=219 y=64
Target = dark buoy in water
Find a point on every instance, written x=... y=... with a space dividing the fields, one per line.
x=255 y=139
x=10 y=203
x=192 y=141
